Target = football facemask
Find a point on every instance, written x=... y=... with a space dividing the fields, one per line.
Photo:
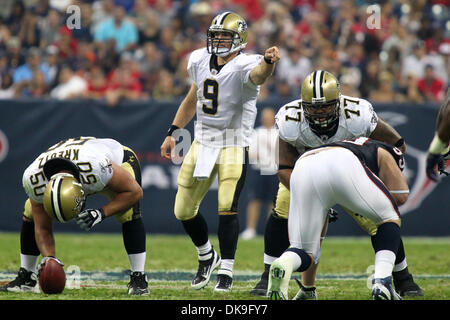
x=227 y=34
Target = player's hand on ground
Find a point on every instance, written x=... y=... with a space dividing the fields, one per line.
x=168 y=147
x=332 y=215
x=272 y=54
x=45 y=259
x=89 y=218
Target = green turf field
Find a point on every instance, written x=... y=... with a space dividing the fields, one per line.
x=171 y=262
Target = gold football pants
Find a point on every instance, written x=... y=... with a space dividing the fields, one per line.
x=282 y=209
x=131 y=164
x=230 y=170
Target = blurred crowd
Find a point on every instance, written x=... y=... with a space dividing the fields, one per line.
x=395 y=51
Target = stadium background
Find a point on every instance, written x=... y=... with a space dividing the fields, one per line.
x=58 y=82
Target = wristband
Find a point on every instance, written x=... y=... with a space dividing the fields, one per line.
x=267 y=60
x=437 y=145
x=399 y=143
x=102 y=213
x=171 y=130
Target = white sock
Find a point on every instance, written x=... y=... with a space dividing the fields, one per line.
x=226 y=267
x=384 y=263
x=137 y=261
x=400 y=266
x=295 y=258
x=204 y=251
x=28 y=262
x=268 y=259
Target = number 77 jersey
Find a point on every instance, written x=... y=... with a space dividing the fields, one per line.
x=356 y=119
x=226 y=98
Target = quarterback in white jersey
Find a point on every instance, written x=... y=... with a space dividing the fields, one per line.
x=323 y=115
x=57 y=184
x=225 y=86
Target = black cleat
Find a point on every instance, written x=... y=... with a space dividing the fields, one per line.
x=26 y=281
x=261 y=287
x=224 y=283
x=205 y=268
x=404 y=284
x=138 y=285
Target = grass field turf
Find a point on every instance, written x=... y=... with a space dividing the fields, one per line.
x=171 y=262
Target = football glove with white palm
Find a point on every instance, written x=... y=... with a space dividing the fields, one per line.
x=45 y=259
x=89 y=218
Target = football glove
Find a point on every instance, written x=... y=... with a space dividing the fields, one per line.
x=332 y=215
x=89 y=218
x=432 y=161
x=45 y=259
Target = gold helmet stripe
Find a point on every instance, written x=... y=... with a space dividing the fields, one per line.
x=56 y=205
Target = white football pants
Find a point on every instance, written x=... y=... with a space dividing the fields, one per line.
x=324 y=178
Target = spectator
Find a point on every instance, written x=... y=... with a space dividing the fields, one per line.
x=47 y=28
x=26 y=72
x=118 y=28
x=29 y=33
x=293 y=68
x=385 y=92
x=431 y=87
x=67 y=45
x=123 y=86
x=14 y=21
x=165 y=88
x=70 y=85
x=35 y=88
x=97 y=85
x=51 y=64
x=14 y=52
x=6 y=86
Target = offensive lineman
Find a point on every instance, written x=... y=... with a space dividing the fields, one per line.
x=323 y=115
x=223 y=94
x=359 y=175
x=57 y=184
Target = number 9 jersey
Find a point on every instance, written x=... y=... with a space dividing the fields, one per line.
x=356 y=119
x=226 y=98
x=93 y=157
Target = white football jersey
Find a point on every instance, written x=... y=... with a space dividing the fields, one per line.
x=226 y=99
x=357 y=119
x=92 y=156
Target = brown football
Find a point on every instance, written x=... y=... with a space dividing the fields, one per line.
x=52 y=278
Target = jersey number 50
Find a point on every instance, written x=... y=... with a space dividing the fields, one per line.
x=211 y=92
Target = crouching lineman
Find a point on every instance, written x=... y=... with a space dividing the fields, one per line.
x=57 y=184
x=362 y=175
x=323 y=115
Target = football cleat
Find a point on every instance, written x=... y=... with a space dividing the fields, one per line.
x=305 y=293
x=138 y=285
x=382 y=289
x=26 y=281
x=278 y=282
x=205 y=268
x=405 y=285
x=261 y=287
x=224 y=283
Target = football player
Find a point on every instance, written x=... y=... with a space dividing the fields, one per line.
x=362 y=175
x=439 y=150
x=323 y=115
x=57 y=184
x=223 y=94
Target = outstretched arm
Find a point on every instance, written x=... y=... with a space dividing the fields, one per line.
x=264 y=70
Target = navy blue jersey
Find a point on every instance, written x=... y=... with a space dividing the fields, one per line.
x=366 y=150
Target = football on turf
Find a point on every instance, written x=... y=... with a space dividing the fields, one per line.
x=52 y=278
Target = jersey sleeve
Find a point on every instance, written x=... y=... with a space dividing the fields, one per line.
x=369 y=116
x=194 y=57
x=97 y=171
x=361 y=117
x=288 y=129
x=35 y=191
x=247 y=65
